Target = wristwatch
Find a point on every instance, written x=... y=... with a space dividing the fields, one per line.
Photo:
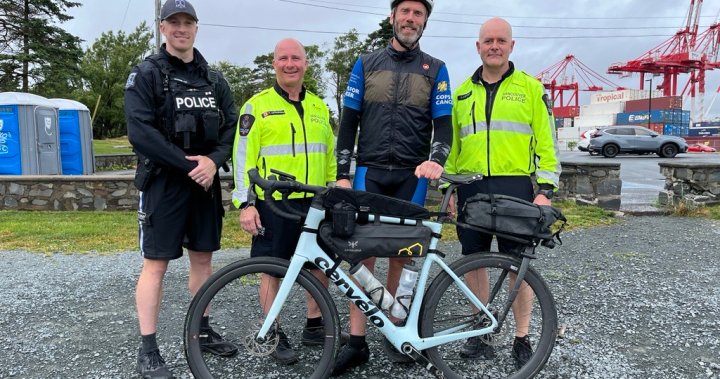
x=247 y=204
x=546 y=192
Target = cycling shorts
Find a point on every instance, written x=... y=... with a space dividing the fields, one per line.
x=398 y=183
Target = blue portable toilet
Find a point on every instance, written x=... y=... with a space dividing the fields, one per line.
x=29 y=137
x=76 y=152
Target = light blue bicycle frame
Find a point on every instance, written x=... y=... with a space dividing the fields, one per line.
x=308 y=250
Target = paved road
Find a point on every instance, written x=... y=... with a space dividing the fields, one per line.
x=640 y=175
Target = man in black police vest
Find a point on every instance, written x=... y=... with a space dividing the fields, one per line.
x=181 y=123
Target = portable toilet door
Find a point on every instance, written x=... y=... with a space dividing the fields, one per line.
x=76 y=152
x=30 y=125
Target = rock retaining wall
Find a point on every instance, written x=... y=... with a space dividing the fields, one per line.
x=695 y=184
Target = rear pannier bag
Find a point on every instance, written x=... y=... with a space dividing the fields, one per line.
x=512 y=216
x=376 y=239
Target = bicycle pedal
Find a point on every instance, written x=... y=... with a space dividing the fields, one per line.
x=422 y=360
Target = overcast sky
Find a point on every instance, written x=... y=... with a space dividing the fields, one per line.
x=545 y=31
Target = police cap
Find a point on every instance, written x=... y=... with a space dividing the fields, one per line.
x=173 y=7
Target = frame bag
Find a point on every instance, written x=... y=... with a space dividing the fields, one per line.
x=510 y=216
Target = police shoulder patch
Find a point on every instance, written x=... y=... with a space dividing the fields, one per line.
x=246 y=123
x=548 y=103
x=130 y=80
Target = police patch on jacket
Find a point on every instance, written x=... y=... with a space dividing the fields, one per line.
x=273 y=113
x=195 y=100
x=548 y=104
x=130 y=80
x=246 y=123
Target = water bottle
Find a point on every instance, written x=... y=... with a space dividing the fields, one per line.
x=377 y=292
x=404 y=293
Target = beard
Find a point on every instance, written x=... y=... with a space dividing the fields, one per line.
x=408 y=40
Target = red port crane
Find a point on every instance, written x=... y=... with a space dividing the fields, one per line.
x=563 y=76
x=684 y=53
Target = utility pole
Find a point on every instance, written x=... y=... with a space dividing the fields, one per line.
x=158 y=39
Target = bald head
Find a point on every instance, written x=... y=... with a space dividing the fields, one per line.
x=496 y=25
x=288 y=44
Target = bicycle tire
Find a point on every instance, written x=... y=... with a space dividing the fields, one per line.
x=232 y=294
x=446 y=305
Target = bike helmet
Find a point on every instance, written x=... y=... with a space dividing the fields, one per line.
x=428 y=4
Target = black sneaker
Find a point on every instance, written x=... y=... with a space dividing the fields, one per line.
x=394 y=355
x=211 y=342
x=475 y=348
x=284 y=353
x=521 y=351
x=315 y=336
x=350 y=357
x=152 y=366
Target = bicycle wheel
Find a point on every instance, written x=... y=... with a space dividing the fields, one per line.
x=233 y=295
x=446 y=306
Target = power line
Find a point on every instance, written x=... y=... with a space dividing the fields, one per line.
x=430 y=36
x=565 y=18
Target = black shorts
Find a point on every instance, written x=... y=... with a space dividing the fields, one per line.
x=175 y=212
x=281 y=235
x=473 y=241
x=398 y=183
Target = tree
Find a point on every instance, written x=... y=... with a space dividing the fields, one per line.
x=343 y=55
x=314 y=75
x=241 y=81
x=379 y=38
x=264 y=73
x=105 y=68
x=32 y=48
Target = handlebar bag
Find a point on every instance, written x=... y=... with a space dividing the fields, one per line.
x=376 y=239
x=513 y=216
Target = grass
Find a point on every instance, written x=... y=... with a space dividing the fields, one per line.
x=82 y=232
x=119 y=145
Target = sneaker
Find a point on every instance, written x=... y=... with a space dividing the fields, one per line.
x=211 y=342
x=394 y=355
x=350 y=357
x=284 y=353
x=475 y=348
x=152 y=366
x=315 y=336
x=521 y=351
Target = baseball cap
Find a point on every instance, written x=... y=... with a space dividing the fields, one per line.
x=172 y=7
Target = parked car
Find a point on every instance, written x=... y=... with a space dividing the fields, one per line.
x=585 y=140
x=614 y=140
x=700 y=148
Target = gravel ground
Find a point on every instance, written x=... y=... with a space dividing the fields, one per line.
x=636 y=300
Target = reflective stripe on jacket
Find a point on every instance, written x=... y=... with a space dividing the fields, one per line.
x=271 y=134
x=517 y=139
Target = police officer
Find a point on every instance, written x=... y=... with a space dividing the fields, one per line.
x=181 y=122
x=502 y=128
x=287 y=128
x=399 y=99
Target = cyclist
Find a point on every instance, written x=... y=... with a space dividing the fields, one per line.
x=502 y=128
x=398 y=98
x=180 y=121
x=286 y=128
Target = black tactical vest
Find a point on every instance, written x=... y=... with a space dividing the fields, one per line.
x=190 y=113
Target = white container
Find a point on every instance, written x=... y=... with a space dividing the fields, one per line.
x=595 y=120
x=602 y=108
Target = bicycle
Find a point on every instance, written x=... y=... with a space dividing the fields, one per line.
x=443 y=314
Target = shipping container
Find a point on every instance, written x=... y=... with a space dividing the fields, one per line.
x=657 y=128
x=564 y=112
x=597 y=120
x=665 y=102
x=706 y=124
x=622 y=96
x=704 y=132
x=572 y=134
x=680 y=130
x=656 y=116
x=602 y=108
